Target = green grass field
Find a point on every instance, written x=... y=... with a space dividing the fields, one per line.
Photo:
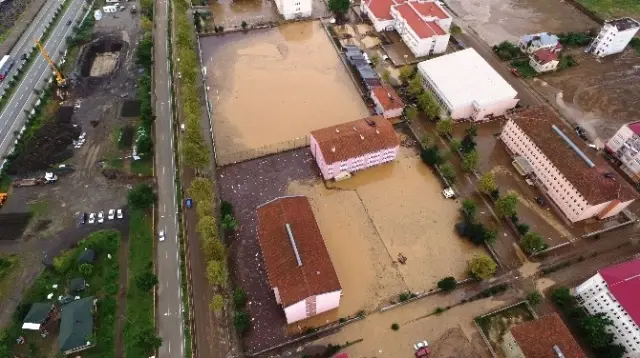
x=613 y=8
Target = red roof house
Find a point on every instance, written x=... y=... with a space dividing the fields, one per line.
x=387 y=101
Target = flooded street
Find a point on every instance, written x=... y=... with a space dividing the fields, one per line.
x=499 y=20
x=269 y=87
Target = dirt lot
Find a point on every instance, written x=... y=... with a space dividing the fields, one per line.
x=497 y=324
x=600 y=95
x=269 y=87
x=499 y=20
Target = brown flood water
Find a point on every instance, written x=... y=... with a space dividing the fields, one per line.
x=268 y=87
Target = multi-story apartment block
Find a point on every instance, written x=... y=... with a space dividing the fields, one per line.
x=614 y=292
x=625 y=147
x=582 y=186
x=614 y=36
x=291 y=9
x=466 y=86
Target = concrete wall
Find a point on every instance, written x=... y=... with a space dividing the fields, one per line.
x=296 y=312
x=540 y=68
x=328 y=301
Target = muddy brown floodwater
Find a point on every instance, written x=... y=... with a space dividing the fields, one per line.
x=499 y=20
x=269 y=87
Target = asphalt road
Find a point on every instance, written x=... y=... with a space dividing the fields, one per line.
x=169 y=303
x=13 y=116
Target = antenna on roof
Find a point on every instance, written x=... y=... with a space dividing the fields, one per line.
x=293 y=244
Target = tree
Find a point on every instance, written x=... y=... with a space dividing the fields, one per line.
x=239 y=298
x=448 y=172
x=412 y=113
x=386 y=76
x=244 y=25
x=63 y=262
x=506 y=205
x=201 y=189
x=195 y=154
x=428 y=104
x=470 y=161
x=207 y=227
x=534 y=297
x=141 y=196
x=454 y=144
x=482 y=267
x=375 y=60
x=487 y=183
x=468 y=209
x=146 y=8
x=447 y=284
x=147 y=340
x=213 y=249
x=339 y=6
x=415 y=86
x=562 y=297
x=405 y=74
x=229 y=223
x=146 y=279
x=146 y=25
x=611 y=351
x=523 y=229
x=216 y=304
x=468 y=144
x=217 y=273
x=490 y=235
x=242 y=321
x=455 y=30
x=594 y=330
x=144 y=144
x=431 y=156
x=472 y=131
x=532 y=242
x=444 y=127
x=86 y=270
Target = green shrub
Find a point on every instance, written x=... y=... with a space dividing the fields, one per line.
x=447 y=284
x=242 y=321
x=239 y=298
x=395 y=326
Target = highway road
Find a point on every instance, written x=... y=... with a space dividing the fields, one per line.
x=169 y=303
x=13 y=117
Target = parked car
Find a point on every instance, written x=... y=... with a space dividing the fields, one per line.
x=449 y=193
x=540 y=200
x=119 y=214
x=112 y=214
x=188 y=203
x=581 y=132
x=161 y=235
x=421 y=344
x=100 y=217
x=92 y=218
x=82 y=218
x=69 y=23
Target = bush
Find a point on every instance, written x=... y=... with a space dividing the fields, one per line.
x=405 y=296
x=482 y=267
x=574 y=38
x=532 y=242
x=562 y=297
x=86 y=270
x=141 y=196
x=244 y=25
x=146 y=279
x=229 y=223
x=523 y=229
x=448 y=172
x=534 y=297
x=507 y=51
x=217 y=273
x=239 y=298
x=566 y=62
x=242 y=321
x=217 y=303
x=506 y=205
x=431 y=156
x=447 y=284
x=444 y=127
x=395 y=326
x=470 y=161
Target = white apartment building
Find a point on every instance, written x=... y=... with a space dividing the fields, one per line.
x=292 y=9
x=423 y=25
x=581 y=186
x=466 y=86
x=544 y=60
x=614 y=36
x=625 y=147
x=613 y=291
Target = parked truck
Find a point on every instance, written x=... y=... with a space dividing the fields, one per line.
x=5 y=65
x=48 y=178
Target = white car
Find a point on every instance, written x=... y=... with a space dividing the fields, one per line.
x=449 y=193
x=92 y=218
x=101 y=217
x=119 y=214
x=161 y=235
x=419 y=345
x=112 y=214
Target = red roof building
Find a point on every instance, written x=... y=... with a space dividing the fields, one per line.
x=546 y=337
x=544 y=60
x=297 y=262
x=387 y=101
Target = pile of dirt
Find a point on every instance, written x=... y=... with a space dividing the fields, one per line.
x=51 y=144
x=13 y=224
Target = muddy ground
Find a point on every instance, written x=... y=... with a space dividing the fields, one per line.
x=600 y=95
x=11 y=12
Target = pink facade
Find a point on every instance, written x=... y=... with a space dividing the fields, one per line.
x=564 y=194
x=350 y=165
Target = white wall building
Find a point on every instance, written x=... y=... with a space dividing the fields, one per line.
x=544 y=60
x=423 y=25
x=581 y=186
x=543 y=40
x=614 y=292
x=467 y=86
x=291 y=9
x=625 y=147
x=614 y=36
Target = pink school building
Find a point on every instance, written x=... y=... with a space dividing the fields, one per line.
x=352 y=146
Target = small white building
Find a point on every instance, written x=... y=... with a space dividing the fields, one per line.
x=544 y=60
x=466 y=86
x=387 y=101
x=543 y=40
x=625 y=147
x=293 y=9
x=296 y=259
x=614 y=36
x=582 y=186
x=423 y=25
x=614 y=292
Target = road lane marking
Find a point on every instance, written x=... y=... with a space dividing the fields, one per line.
x=163 y=168
x=166 y=254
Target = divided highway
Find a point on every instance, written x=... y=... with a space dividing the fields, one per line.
x=13 y=117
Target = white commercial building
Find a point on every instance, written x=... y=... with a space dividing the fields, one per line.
x=625 y=147
x=292 y=9
x=423 y=25
x=614 y=36
x=614 y=292
x=467 y=86
x=582 y=186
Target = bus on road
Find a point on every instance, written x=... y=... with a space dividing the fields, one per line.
x=5 y=65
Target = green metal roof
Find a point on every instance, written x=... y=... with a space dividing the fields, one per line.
x=76 y=324
x=38 y=312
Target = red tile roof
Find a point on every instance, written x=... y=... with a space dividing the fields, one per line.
x=387 y=97
x=545 y=55
x=635 y=127
x=381 y=8
x=537 y=338
x=295 y=283
x=537 y=122
x=355 y=139
x=424 y=29
x=429 y=9
x=623 y=281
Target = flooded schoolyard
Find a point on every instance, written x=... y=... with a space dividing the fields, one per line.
x=269 y=87
x=499 y=20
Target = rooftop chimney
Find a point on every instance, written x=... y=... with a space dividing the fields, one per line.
x=355 y=129
x=333 y=149
x=377 y=131
x=337 y=130
x=361 y=137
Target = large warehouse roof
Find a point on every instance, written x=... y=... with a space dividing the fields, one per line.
x=464 y=76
